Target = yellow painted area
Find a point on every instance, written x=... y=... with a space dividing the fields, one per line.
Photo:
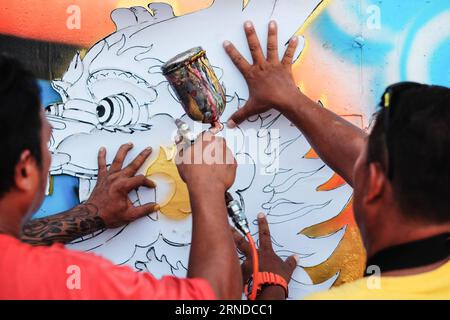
x=51 y=184
x=301 y=60
x=177 y=205
x=133 y=3
x=324 y=99
x=313 y=16
x=349 y=258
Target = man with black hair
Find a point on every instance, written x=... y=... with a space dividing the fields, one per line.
x=400 y=173
x=47 y=272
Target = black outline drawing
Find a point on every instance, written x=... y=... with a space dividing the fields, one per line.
x=76 y=118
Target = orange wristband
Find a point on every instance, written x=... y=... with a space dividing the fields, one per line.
x=256 y=283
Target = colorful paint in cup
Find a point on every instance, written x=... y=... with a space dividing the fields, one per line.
x=196 y=85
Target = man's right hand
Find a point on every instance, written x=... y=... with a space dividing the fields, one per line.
x=270 y=81
x=271 y=85
x=207 y=163
x=209 y=168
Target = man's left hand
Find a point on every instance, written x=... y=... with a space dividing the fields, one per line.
x=110 y=195
x=268 y=260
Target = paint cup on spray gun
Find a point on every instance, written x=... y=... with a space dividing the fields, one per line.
x=196 y=86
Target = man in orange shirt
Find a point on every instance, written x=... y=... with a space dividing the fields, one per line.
x=43 y=272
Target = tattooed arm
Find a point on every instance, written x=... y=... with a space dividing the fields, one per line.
x=107 y=207
x=64 y=227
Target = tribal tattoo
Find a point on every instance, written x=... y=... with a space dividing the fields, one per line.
x=64 y=227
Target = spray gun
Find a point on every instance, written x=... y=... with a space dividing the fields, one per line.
x=197 y=88
x=199 y=91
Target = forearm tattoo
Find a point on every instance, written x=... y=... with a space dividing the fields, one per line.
x=64 y=227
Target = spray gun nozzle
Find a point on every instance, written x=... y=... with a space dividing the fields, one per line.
x=185 y=131
x=237 y=214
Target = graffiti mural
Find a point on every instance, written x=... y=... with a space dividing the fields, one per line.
x=353 y=49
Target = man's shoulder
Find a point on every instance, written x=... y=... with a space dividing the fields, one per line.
x=18 y=250
x=50 y=272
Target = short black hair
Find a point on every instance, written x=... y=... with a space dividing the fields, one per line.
x=20 y=120
x=418 y=135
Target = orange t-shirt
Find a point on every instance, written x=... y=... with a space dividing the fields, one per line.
x=28 y=272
